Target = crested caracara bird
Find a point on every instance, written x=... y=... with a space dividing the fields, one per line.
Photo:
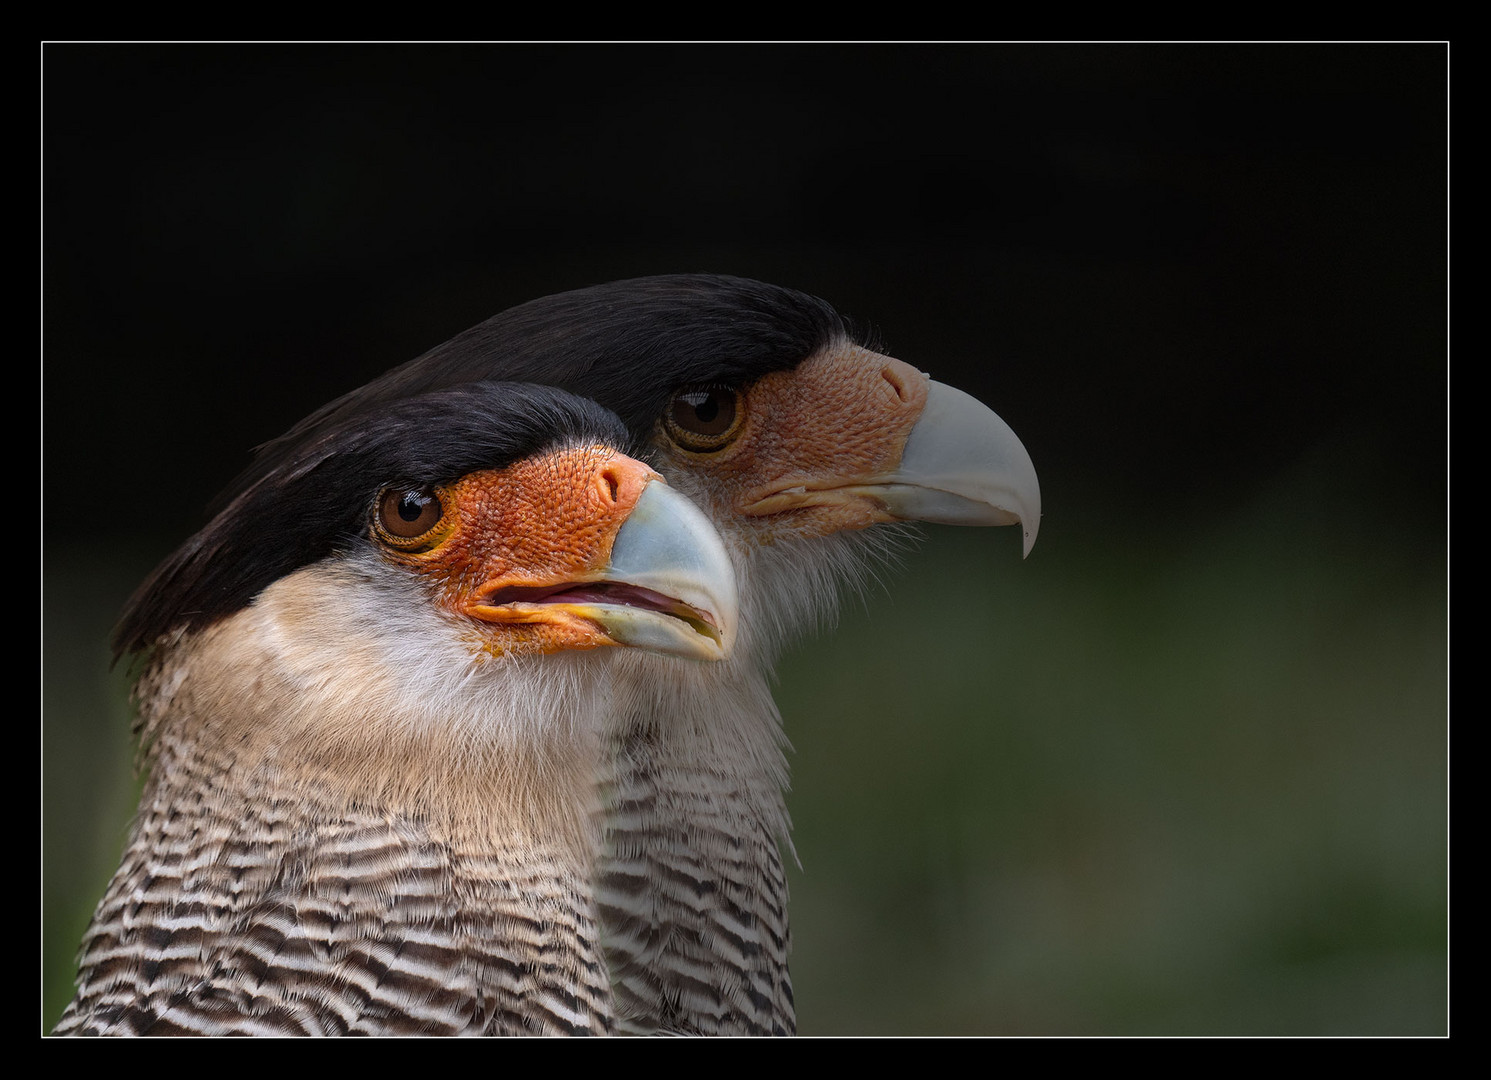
x=793 y=434
x=373 y=700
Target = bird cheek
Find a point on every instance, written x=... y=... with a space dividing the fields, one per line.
x=529 y=532
x=829 y=428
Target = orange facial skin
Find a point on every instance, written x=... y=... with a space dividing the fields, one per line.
x=543 y=524
x=810 y=436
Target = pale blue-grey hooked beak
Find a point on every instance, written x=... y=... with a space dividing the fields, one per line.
x=670 y=566
x=962 y=465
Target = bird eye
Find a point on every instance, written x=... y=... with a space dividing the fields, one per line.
x=404 y=517
x=704 y=418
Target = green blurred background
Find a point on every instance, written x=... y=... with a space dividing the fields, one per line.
x=1182 y=771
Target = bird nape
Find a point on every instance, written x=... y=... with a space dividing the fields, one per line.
x=395 y=727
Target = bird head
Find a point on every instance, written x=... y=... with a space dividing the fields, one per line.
x=512 y=509
x=850 y=438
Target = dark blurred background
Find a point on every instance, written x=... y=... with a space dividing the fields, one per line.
x=1182 y=771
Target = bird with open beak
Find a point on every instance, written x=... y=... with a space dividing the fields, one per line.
x=373 y=697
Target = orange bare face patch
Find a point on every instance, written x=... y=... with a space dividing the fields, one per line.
x=809 y=436
x=507 y=538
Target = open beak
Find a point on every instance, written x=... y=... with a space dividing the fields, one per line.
x=640 y=566
x=669 y=586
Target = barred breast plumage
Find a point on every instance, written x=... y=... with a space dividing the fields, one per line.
x=691 y=888
x=304 y=919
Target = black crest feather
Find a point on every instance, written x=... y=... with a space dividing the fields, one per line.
x=627 y=345
x=317 y=498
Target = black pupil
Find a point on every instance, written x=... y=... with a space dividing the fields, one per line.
x=705 y=412
x=707 y=409
x=412 y=505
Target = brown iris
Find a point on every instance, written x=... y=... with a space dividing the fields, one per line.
x=405 y=518
x=704 y=418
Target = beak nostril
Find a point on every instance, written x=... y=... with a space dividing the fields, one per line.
x=897 y=384
x=612 y=484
